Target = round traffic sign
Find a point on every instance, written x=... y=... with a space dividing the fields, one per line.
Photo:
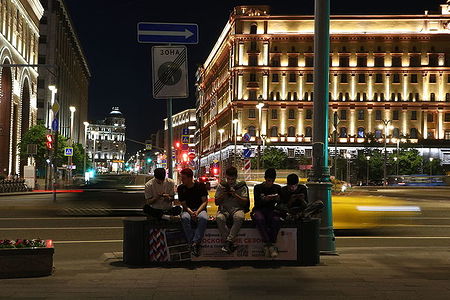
x=169 y=73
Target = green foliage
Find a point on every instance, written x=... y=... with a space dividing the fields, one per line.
x=274 y=158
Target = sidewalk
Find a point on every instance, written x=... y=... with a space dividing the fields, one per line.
x=357 y=273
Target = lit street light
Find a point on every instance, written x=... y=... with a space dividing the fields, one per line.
x=221 y=131
x=396 y=163
x=386 y=127
x=235 y=124
x=86 y=125
x=368 y=159
x=259 y=106
x=431 y=166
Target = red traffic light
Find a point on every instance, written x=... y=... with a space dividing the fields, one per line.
x=185 y=157
x=49 y=141
x=177 y=145
x=215 y=171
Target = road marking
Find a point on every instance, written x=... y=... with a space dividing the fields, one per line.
x=85 y=242
x=59 y=228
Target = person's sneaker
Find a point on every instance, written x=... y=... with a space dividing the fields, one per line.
x=229 y=247
x=195 y=249
x=175 y=218
x=273 y=251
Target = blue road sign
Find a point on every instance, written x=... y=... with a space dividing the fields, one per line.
x=185 y=131
x=68 y=151
x=55 y=124
x=246 y=137
x=167 y=33
x=247 y=153
x=185 y=139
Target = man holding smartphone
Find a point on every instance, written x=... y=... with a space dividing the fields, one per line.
x=159 y=194
x=267 y=220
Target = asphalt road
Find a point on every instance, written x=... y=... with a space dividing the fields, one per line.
x=87 y=225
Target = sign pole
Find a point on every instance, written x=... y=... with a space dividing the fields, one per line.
x=169 y=137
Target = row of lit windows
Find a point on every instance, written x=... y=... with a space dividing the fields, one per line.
x=343 y=115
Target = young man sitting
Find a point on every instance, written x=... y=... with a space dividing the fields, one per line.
x=294 y=198
x=194 y=199
x=159 y=194
x=233 y=201
x=267 y=195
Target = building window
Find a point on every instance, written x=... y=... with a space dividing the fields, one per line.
x=396 y=132
x=430 y=117
x=344 y=61
x=275 y=77
x=251 y=113
x=309 y=61
x=293 y=61
x=447 y=97
x=396 y=61
x=432 y=97
x=291 y=131
x=274 y=113
x=378 y=115
x=274 y=131
x=308 y=131
x=379 y=61
x=361 y=132
x=414 y=61
x=414 y=115
x=308 y=114
x=378 y=78
x=253 y=28
x=433 y=60
x=432 y=78
x=341 y=96
x=309 y=78
x=275 y=61
x=252 y=77
x=291 y=114
x=395 y=115
x=343 y=115
x=413 y=133
x=413 y=78
x=295 y=96
x=344 y=78
x=396 y=78
x=360 y=115
x=447 y=117
x=252 y=94
x=361 y=61
x=361 y=78
x=252 y=60
x=343 y=132
x=292 y=77
x=251 y=130
x=447 y=135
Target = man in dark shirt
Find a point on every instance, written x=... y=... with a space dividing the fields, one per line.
x=267 y=195
x=194 y=199
x=294 y=197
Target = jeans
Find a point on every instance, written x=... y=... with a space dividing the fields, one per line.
x=268 y=223
x=186 y=222
x=230 y=234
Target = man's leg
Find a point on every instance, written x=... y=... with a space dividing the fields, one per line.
x=202 y=221
x=221 y=220
x=186 y=223
x=153 y=212
x=260 y=220
x=275 y=225
x=238 y=219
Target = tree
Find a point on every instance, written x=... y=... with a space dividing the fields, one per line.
x=272 y=158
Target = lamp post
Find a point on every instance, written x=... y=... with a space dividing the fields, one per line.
x=71 y=141
x=368 y=159
x=396 y=165
x=50 y=115
x=348 y=156
x=259 y=106
x=431 y=166
x=386 y=127
x=221 y=131
x=86 y=125
x=94 y=133
x=235 y=124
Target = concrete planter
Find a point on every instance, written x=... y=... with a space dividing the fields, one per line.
x=26 y=262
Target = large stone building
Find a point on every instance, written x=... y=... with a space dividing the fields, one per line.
x=19 y=34
x=393 y=68
x=67 y=70
x=106 y=142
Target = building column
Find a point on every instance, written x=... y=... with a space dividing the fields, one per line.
x=300 y=122
x=369 y=120
x=283 y=120
x=405 y=121
x=440 y=123
x=425 y=124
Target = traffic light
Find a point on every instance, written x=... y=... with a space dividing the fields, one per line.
x=185 y=157
x=149 y=160
x=49 y=141
x=216 y=171
x=177 y=145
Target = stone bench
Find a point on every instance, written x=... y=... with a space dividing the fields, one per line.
x=147 y=242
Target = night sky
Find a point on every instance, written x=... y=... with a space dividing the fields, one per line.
x=121 y=68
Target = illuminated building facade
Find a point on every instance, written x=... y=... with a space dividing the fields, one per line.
x=106 y=142
x=382 y=67
x=19 y=34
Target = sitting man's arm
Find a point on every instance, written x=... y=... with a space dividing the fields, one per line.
x=150 y=197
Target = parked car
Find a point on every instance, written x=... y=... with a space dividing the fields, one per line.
x=212 y=182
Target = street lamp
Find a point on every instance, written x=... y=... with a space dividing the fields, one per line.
x=396 y=163
x=368 y=159
x=431 y=170
x=86 y=125
x=348 y=156
x=386 y=127
x=235 y=124
x=259 y=106
x=94 y=133
x=221 y=131
x=71 y=140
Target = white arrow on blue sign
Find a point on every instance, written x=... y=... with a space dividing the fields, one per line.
x=167 y=33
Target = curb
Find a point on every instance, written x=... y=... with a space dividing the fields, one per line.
x=23 y=193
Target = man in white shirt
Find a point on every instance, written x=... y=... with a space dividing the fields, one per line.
x=159 y=194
